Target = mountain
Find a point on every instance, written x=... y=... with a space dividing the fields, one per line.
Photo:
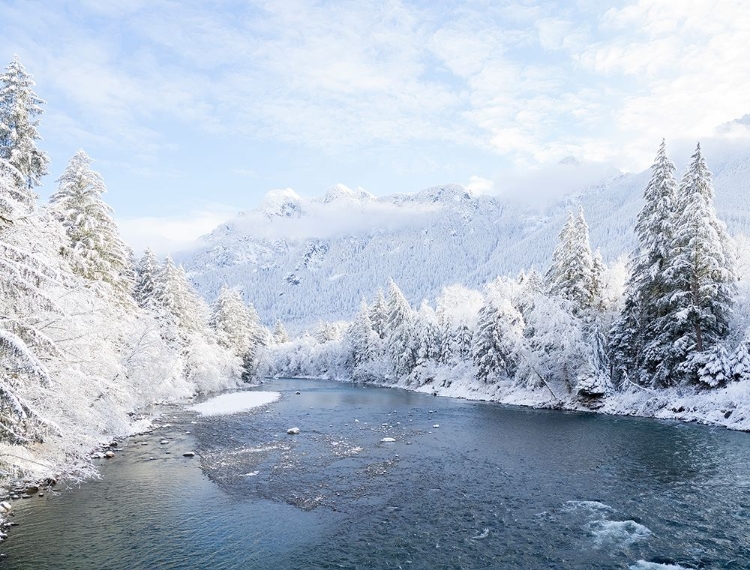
x=301 y=259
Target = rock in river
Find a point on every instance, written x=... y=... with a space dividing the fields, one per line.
x=293 y=431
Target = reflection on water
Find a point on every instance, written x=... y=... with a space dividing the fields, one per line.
x=491 y=487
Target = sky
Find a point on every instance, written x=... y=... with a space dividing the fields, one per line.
x=194 y=110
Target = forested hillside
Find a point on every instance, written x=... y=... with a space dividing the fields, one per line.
x=88 y=338
x=341 y=246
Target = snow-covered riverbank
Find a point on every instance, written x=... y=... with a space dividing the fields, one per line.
x=728 y=407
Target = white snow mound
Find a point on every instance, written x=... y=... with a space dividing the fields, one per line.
x=235 y=402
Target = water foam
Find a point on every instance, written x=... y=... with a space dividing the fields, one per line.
x=643 y=565
x=617 y=533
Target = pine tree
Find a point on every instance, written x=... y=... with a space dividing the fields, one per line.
x=647 y=287
x=231 y=321
x=739 y=362
x=571 y=274
x=280 y=335
x=700 y=281
x=177 y=299
x=19 y=109
x=428 y=337
x=361 y=336
x=145 y=279
x=15 y=201
x=24 y=276
x=379 y=314
x=399 y=333
x=497 y=339
x=98 y=252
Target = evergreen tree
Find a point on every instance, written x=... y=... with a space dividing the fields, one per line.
x=362 y=337
x=15 y=202
x=700 y=281
x=497 y=339
x=399 y=332
x=19 y=111
x=177 y=299
x=571 y=274
x=379 y=314
x=647 y=289
x=145 y=279
x=231 y=321
x=24 y=304
x=98 y=252
x=428 y=337
x=739 y=362
x=280 y=335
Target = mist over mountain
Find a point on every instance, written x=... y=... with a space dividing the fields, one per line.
x=304 y=259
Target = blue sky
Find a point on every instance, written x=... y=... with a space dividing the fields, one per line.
x=193 y=110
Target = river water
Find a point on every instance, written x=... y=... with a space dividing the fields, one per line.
x=464 y=485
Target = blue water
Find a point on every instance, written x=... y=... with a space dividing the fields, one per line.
x=491 y=487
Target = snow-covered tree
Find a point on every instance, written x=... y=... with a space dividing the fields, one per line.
x=238 y=328
x=498 y=336
x=700 y=280
x=19 y=111
x=280 y=336
x=362 y=338
x=399 y=333
x=231 y=321
x=571 y=275
x=97 y=251
x=739 y=362
x=648 y=288
x=145 y=279
x=177 y=298
x=379 y=314
x=15 y=201
x=428 y=336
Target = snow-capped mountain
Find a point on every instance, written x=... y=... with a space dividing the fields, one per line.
x=300 y=259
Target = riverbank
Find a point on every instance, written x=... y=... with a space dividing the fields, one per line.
x=43 y=478
x=728 y=407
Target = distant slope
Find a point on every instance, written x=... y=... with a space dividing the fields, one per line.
x=302 y=260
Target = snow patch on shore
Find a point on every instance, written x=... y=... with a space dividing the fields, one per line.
x=234 y=403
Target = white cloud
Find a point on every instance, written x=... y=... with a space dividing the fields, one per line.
x=172 y=233
x=529 y=83
x=479 y=185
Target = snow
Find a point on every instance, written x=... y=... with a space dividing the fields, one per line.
x=235 y=402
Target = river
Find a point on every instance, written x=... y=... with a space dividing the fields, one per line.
x=464 y=485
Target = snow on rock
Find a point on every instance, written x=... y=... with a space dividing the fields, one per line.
x=235 y=402
x=388 y=440
x=5 y=507
x=293 y=431
x=189 y=454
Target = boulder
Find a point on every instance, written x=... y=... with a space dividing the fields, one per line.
x=109 y=454
x=388 y=440
x=293 y=431
x=5 y=507
x=189 y=454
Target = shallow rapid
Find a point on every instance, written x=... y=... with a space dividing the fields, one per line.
x=463 y=485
